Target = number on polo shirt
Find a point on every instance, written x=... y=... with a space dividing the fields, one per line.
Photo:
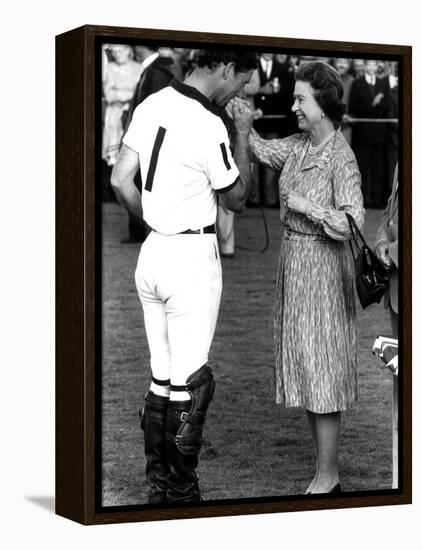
x=154 y=157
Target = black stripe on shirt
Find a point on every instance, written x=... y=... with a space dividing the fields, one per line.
x=225 y=189
x=154 y=157
x=224 y=153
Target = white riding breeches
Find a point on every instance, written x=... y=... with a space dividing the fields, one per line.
x=179 y=282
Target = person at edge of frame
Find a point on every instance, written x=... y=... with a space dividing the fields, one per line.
x=387 y=250
x=181 y=145
x=370 y=98
x=120 y=73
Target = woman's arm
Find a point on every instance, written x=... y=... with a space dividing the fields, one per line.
x=271 y=152
x=347 y=199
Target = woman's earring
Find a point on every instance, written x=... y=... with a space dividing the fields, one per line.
x=322 y=114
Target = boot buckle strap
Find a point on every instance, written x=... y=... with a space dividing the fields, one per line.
x=187 y=440
x=195 y=419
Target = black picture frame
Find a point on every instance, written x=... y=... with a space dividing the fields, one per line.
x=78 y=276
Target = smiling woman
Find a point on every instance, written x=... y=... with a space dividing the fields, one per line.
x=307 y=110
x=315 y=323
x=318 y=94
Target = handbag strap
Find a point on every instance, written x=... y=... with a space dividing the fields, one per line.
x=354 y=229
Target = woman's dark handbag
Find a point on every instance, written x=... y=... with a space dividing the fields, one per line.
x=371 y=275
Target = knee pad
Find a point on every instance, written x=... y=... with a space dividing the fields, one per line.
x=200 y=386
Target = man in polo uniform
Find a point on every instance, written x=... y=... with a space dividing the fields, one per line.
x=181 y=145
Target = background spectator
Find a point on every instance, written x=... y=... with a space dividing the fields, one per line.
x=226 y=217
x=176 y=56
x=274 y=98
x=370 y=98
x=294 y=61
x=343 y=67
x=119 y=81
x=250 y=90
x=392 y=128
x=387 y=250
x=358 y=67
x=382 y=68
x=156 y=73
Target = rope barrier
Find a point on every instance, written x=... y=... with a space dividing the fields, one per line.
x=266 y=233
x=271 y=116
x=388 y=120
x=349 y=119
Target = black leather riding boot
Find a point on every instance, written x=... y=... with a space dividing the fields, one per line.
x=182 y=483
x=153 y=423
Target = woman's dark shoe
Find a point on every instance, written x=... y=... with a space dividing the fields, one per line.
x=336 y=489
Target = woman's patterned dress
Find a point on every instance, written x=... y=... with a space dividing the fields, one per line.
x=315 y=322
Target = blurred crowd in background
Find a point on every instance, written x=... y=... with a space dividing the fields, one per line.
x=370 y=125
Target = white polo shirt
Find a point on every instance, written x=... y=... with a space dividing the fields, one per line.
x=184 y=158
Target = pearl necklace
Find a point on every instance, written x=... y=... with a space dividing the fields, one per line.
x=314 y=150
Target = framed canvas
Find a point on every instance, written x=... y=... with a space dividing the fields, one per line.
x=256 y=456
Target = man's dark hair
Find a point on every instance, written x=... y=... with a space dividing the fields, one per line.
x=327 y=86
x=243 y=61
x=147 y=46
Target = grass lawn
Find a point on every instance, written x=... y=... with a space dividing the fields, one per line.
x=252 y=448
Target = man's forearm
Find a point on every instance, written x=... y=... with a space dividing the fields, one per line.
x=242 y=160
x=235 y=198
x=129 y=197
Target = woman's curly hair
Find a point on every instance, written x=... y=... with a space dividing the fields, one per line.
x=327 y=87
